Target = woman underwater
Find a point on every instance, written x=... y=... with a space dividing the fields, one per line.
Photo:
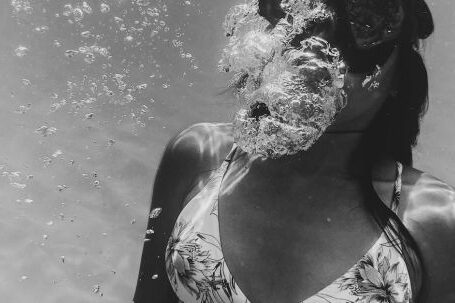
x=309 y=195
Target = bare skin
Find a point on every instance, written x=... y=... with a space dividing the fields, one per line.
x=291 y=226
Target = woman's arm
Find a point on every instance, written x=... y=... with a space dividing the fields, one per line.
x=197 y=149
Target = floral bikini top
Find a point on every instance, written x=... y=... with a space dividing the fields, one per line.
x=198 y=272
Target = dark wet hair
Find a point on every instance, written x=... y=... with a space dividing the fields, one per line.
x=400 y=117
x=394 y=131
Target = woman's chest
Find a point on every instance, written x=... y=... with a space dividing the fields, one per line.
x=292 y=241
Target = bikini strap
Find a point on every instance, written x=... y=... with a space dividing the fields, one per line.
x=231 y=153
x=397 y=188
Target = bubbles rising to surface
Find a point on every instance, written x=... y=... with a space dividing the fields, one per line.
x=105 y=83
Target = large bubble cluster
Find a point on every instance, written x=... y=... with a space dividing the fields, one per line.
x=298 y=88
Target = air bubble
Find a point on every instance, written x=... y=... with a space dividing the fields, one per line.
x=21 y=51
x=155 y=213
x=26 y=82
x=21 y=6
x=46 y=131
x=41 y=29
x=86 y=8
x=62 y=187
x=104 y=8
x=96 y=288
x=86 y=34
x=18 y=185
x=22 y=109
x=71 y=53
x=57 y=153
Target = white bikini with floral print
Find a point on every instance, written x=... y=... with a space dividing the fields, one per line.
x=198 y=272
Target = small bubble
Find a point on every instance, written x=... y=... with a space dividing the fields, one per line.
x=62 y=258
x=62 y=187
x=23 y=278
x=142 y=86
x=86 y=34
x=26 y=82
x=129 y=98
x=45 y=131
x=133 y=221
x=22 y=109
x=149 y=232
x=45 y=237
x=104 y=8
x=89 y=116
x=41 y=29
x=21 y=51
x=96 y=288
x=78 y=14
x=18 y=185
x=86 y=8
x=47 y=161
x=57 y=43
x=21 y=6
x=154 y=277
x=71 y=53
x=155 y=213
x=57 y=153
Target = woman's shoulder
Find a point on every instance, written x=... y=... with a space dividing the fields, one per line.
x=201 y=145
x=426 y=198
x=421 y=193
x=427 y=209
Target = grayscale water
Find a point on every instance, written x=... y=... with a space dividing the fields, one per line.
x=90 y=92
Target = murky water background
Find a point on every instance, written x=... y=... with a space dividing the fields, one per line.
x=90 y=92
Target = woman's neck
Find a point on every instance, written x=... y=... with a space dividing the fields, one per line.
x=341 y=154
